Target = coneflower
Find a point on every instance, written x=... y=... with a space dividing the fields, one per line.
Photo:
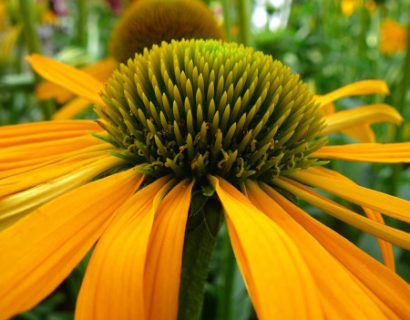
x=184 y=121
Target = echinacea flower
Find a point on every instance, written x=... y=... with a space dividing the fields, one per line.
x=393 y=37
x=144 y=23
x=193 y=117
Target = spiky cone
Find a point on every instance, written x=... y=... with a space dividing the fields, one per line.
x=195 y=117
x=143 y=24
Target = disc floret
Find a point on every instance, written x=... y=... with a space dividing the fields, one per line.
x=192 y=108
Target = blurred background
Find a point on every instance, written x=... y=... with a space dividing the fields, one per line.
x=330 y=43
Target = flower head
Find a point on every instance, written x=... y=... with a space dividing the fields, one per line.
x=169 y=121
x=393 y=37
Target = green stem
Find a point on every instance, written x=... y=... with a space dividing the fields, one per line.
x=242 y=7
x=401 y=101
x=198 y=248
x=33 y=43
x=82 y=23
x=227 y=19
x=29 y=26
x=228 y=273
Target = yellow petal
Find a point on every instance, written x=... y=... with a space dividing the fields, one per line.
x=364 y=87
x=400 y=238
x=362 y=133
x=50 y=90
x=385 y=247
x=369 y=114
x=78 y=82
x=277 y=278
x=367 y=152
x=379 y=201
x=71 y=109
x=329 y=275
x=25 y=201
x=113 y=286
x=39 y=251
x=102 y=69
x=385 y=284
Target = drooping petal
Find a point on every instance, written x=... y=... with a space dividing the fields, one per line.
x=385 y=247
x=12 y=135
x=329 y=275
x=101 y=70
x=40 y=152
x=278 y=280
x=379 y=201
x=74 y=80
x=113 y=286
x=385 y=284
x=395 y=236
x=164 y=260
x=362 y=133
x=71 y=109
x=367 y=152
x=364 y=87
x=25 y=201
x=39 y=251
x=361 y=115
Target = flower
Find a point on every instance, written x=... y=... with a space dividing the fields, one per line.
x=393 y=37
x=144 y=23
x=188 y=117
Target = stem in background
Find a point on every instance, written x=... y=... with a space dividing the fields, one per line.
x=242 y=8
x=33 y=43
x=199 y=245
x=228 y=273
x=29 y=26
x=227 y=19
x=82 y=23
x=401 y=101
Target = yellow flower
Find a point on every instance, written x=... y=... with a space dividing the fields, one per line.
x=180 y=119
x=393 y=37
x=348 y=7
x=144 y=23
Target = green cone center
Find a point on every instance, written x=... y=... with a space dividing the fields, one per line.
x=192 y=108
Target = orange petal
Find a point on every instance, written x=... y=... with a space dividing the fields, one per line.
x=367 y=152
x=364 y=87
x=50 y=90
x=74 y=80
x=113 y=286
x=354 y=302
x=400 y=238
x=390 y=289
x=39 y=251
x=369 y=114
x=385 y=247
x=379 y=201
x=25 y=201
x=163 y=265
x=277 y=278
x=362 y=133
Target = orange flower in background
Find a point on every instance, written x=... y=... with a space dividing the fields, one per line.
x=181 y=117
x=348 y=7
x=392 y=37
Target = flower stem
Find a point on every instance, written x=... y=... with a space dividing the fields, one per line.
x=227 y=19
x=242 y=7
x=82 y=23
x=228 y=273
x=401 y=102
x=33 y=43
x=29 y=26
x=198 y=248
